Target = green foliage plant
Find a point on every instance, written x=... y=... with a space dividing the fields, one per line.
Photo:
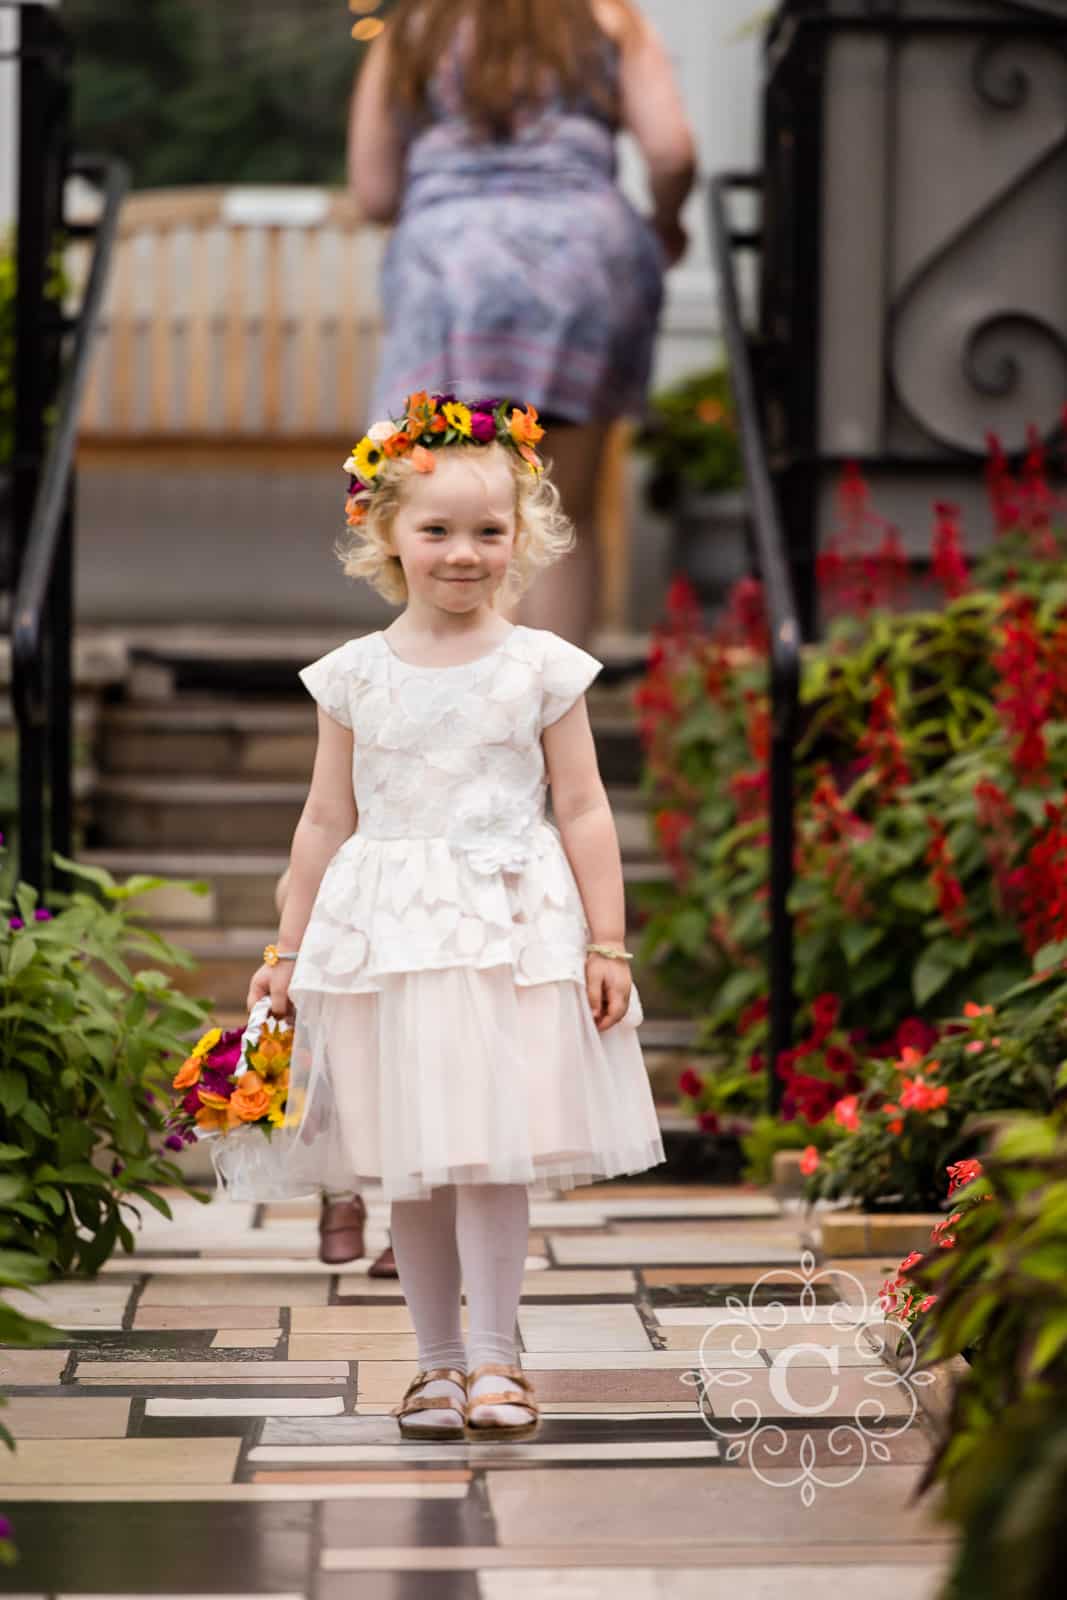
x=931 y=846
x=999 y=1297
x=691 y=438
x=86 y=1045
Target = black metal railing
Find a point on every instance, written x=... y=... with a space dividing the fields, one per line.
x=769 y=552
x=42 y=621
x=48 y=397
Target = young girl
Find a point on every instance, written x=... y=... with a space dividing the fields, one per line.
x=486 y=131
x=465 y=1019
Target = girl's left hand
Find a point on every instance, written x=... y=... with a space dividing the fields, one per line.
x=608 y=984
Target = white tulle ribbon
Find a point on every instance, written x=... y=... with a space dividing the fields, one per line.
x=247 y=1166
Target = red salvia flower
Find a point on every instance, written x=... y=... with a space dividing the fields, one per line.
x=948 y=563
x=1003 y=491
x=881 y=747
x=1025 y=697
x=995 y=815
x=1042 y=884
x=951 y=900
x=746 y=620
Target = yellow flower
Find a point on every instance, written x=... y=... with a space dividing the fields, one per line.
x=368 y=458
x=459 y=417
x=208 y=1042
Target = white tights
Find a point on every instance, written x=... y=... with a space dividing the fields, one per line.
x=474 y=1236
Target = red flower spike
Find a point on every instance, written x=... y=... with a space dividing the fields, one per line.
x=948 y=563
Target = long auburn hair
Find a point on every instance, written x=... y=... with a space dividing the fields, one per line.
x=516 y=45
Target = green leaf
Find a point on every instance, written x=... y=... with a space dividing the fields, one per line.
x=1050 y=955
x=37 y=1118
x=932 y=971
x=20 y=1270
x=13 y=1090
x=858 y=941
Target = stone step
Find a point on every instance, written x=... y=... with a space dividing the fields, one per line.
x=224 y=736
x=167 y=660
x=172 y=813
x=241 y=886
x=226 y=958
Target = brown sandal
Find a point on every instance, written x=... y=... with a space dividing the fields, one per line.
x=502 y=1430
x=431 y=1402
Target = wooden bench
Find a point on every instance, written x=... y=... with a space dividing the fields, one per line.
x=243 y=324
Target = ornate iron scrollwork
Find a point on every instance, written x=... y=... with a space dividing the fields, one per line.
x=991 y=371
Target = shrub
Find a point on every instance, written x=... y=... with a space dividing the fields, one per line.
x=931 y=847
x=1000 y=1296
x=85 y=1047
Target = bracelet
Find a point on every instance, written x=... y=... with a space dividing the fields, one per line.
x=272 y=955
x=609 y=950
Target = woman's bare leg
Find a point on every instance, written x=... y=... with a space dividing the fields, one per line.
x=565 y=597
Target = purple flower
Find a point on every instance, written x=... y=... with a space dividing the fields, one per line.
x=439 y=400
x=15 y=922
x=149 y=1098
x=191 y=1102
x=173 y=1141
x=216 y=1082
x=189 y=1135
x=42 y=915
x=224 y=1058
x=483 y=428
x=484 y=405
x=7 y=1527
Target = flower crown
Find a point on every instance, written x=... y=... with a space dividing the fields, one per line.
x=430 y=423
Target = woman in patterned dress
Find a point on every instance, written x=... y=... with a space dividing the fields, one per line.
x=486 y=130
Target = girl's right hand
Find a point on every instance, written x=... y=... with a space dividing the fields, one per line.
x=274 y=981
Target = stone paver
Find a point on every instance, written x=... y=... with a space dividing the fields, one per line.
x=217 y=1399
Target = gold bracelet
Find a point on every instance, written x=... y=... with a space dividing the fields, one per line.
x=272 y=955
x=610 y=951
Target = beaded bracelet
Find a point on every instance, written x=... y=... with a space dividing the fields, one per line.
x=610 y=951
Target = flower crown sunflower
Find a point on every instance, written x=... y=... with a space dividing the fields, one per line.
x=431 y=422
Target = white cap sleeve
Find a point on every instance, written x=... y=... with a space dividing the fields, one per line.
x=328 y=682
x=566 y=675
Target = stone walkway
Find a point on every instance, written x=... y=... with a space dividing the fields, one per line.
x=215 y=1421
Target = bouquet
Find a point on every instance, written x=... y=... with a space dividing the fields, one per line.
x=234 y=1088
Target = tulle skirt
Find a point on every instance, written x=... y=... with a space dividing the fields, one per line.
x=455 y=1075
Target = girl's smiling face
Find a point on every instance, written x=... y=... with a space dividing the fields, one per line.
x=455 y=531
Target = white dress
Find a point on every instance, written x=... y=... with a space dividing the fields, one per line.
x=443 y=1032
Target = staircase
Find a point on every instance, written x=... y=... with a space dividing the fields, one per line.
x=201 y=770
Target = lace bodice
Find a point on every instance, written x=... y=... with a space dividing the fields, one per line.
x=453 y=862
x=454 y=752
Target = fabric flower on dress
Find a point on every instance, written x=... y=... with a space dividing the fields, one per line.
x=489 y=834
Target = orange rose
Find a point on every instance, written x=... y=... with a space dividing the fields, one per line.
x=524 y=428
x=188 y=1074
x=355 y=511
x=251 y=1099
x=422 y=459
x=397 y=444
x=439 y=424
x=210 y=1120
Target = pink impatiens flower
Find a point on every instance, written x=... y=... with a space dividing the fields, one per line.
x=809 y=1161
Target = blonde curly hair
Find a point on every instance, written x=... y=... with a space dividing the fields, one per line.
x=543 y=534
